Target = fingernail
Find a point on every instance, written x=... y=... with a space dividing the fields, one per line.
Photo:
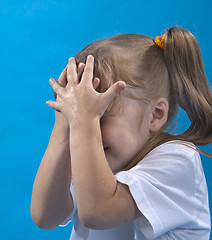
x=71 y=59
x=90 y=57
x=50 y=80
x=96 y=79
x=80 y=64
x=122 y=85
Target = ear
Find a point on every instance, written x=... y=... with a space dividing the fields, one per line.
x=159 y=114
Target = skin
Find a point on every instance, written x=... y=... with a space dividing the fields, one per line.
x=121 y=136
x=51 y=200
x=94 y=153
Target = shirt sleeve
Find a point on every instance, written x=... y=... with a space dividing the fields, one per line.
x=74 y=213
x=163 y=187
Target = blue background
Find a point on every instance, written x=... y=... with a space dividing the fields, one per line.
x=36 y=39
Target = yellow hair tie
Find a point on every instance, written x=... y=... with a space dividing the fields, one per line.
x=160 y=40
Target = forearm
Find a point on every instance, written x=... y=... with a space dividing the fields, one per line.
x=92 y=176
x=51 y=200
x=94 y=183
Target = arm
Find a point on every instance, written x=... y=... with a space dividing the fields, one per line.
x=102 y=202
x=108 y=202
x=51 y=201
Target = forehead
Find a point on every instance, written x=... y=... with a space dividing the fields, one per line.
x=126 y=106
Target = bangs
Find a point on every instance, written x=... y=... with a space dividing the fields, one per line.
x=104 y=70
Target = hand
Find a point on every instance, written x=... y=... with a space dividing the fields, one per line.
x=59 y=118
x=62 y=80
x=80 y=100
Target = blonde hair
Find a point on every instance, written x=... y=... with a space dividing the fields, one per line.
x=175 y=72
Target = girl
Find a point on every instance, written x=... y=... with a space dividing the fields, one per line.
x=110 y=164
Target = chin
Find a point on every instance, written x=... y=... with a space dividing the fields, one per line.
x=117 y=169
x=114 y=163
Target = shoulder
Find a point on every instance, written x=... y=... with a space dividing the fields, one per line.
x=178 y=147
x=173 y=151
x=173 y=163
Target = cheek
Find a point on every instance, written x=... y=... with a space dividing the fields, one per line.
x=123 y=147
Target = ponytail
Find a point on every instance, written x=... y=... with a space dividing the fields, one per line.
x=189 y=84
x=188 y=88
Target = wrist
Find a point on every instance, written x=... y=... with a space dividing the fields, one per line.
x=60 y=121
x=60 y=136
x=83 y=122
x=61 y=129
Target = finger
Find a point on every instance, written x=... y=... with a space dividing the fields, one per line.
x=72 y=76
x=62 y=80
x=80 y=70
x=114 y=90
x=55 y=95
x=87 y=76
x=96 y=83
x=63 y=77
x=58 y=89
x=54 y=105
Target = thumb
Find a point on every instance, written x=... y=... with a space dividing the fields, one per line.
x=114 y=90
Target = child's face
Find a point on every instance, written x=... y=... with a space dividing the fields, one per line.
x=123 y=135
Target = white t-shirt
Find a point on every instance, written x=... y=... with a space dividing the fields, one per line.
x=170 y=190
